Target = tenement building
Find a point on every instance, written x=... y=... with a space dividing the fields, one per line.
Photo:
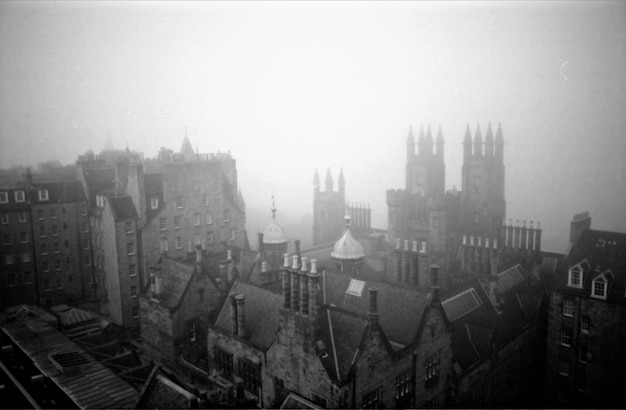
x=586 y=365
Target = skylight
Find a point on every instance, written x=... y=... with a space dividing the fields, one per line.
x=356 y=287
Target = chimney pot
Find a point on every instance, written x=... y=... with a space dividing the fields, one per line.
x=229 y=254
x=313 y=265
x=304 y=264
x=406 y=244
x=423 y=246
x=295 y=262
x=398 y=243
x=414 y=246
x=286 y=260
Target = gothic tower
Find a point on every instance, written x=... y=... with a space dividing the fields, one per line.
x=425 y=171
x=328 y=209
x=483 y=205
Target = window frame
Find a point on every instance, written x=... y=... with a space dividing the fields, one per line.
x=129 y=227
x=43 y=195
x=20 y=196
x=4 y=197
x=566 y=336
x=154 y=203
x=578 y=271
x=568 y=307
x=601 y=280
x=130 y=248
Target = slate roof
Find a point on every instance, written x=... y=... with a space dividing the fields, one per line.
x=478 y=323
x=262 y=319
x=123 y=208
x=602 y=250
x=400 y=308
x=91 y=386
x=162 y=392
x=58 y=192
x=76 y=316
x=175 y=278
x=153 y=184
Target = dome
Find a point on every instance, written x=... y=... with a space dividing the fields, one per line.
x=274 y=234
x=347 y=248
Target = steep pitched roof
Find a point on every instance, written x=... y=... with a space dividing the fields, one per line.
x=161 y=391
x=175 y=278
x=123 y=208
x=58 y=192
x=262 y=320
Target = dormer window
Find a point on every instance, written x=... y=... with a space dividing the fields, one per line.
x=19 y=196
x=4 y=197
x=599 y=288
x=154 y=203
x=575 y=279
x=43 y=195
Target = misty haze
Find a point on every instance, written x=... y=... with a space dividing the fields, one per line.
x=313 y=204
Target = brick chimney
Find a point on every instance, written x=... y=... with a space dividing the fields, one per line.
x=286 y=284
x=304 y=288
x=233 y=313
x=313 y=277
x=241 y=315
x=373 y=306
x=434 y=284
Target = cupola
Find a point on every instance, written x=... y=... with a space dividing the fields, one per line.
x=348 y=252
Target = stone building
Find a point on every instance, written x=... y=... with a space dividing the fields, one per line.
x=585 y=364
x=497 y=341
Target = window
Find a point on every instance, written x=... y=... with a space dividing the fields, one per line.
x=223 y=362
x=205 y=199
x=6 y=239
x=57 y=264
x=42 y=231
x=84 y=226
x=226 y=215
x=179 y=242
x=177 y=222
x=584 y=324
x=583 y=353
x=154 y=203
x=26 y=257
x=191 y=328
x=19 y=196
x=23 y=237
x=28 y=277
x=431 y=371
x=83 y=209
x=233 y=234
x=130 y=248
x=372 y=400
x=4 y=197
x=133 y=291
x=251 y=375
x=44 y=248
x=22 y=216
x=209 y=218
x=563 y=366
x=575 y=277
x=59 y=283
x=598 y=289
x=163 y=224
x=5 y=219
x=55 y=247
x=179 y=202
x=568 y=307
x=404 y=387
x=566 y=336
x=129 y=227
x=40 y=214
x=53 y=213
x=9 y=259
x=46 y=285
x=11 y=279
x=135 y=311
x=279 y=388
x=132 y=270
x=210 y=238
x=164 y=245
x=196 y=220
x=43 y=194
x=55 y=230
x=197 y=240
x=85 y=243
x=45 y=265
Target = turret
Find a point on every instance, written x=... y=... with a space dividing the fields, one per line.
x=429 y=142
x=467 y=144
x=489 y=142
x=478 y=142
x=316 y=182
x=329 y=181
x=410 y=145
x=499 y=144
x=421 y=143
x=342 y=181
x=440 y=144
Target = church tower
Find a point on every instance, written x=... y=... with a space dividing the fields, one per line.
x=425 y=171
x=328 y=209
x=483 y=205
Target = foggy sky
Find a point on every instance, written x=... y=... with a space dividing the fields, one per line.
x=291 y=87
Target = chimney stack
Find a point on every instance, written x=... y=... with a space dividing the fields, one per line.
x=295 y=288
x=434 y=283
x=199 y=258
x=297 y=241
x=286 y=289
x=261 y=248
x=313 y=290
x=241 y=315
x=286 y=261
x=313 y=265
x=373 y=306
x=233 y=313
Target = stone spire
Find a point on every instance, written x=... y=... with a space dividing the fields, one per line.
x=439 y=143
x=478 y=142
x=342 y=181
x=499 y=144
x=316 y=181
x=489 y=142
x=329 y=181
x=429 y=142
x=467 y=144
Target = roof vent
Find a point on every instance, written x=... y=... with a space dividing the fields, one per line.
x=356 y=287
x=69 y=361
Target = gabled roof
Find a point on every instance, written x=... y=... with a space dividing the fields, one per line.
x=596 y=252
x=123 y=208
x=175 y=278
x=400 y=308
x=262 y=320
x=162 y=391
